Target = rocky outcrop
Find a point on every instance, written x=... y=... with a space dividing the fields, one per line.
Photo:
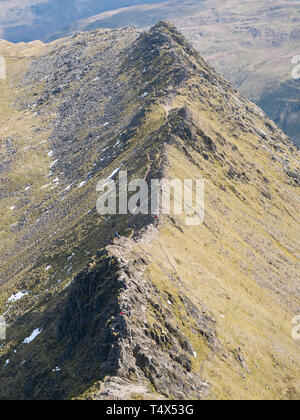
x=105 y=321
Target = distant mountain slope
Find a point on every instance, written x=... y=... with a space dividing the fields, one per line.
x=35 y=19
x=168 y=310
x=250 y=42
x=282 y=104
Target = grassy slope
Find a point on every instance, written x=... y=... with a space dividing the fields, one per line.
x=242 y=263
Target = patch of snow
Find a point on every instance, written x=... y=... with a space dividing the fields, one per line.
x=57 y=369
x=17 y=296
x=195 y=354
x=114 y=173
x=8 y=310
x=104 y=184
x=81 y=184
x=33 y=336
x=7 y=362
x=53 y=163
x=50 y=154
x=48 y=267
x=12 y=207
x=106 y=124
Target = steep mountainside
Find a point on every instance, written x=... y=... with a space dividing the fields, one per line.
x=211 y=305
x=250 y=42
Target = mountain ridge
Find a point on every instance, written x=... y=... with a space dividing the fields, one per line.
x=250 y=43
x=211 y=306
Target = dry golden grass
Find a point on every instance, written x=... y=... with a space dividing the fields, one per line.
x=222 y=269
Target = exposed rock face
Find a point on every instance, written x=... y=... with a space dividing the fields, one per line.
x=120 y=342
x=161 y=353
x=167 y=310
